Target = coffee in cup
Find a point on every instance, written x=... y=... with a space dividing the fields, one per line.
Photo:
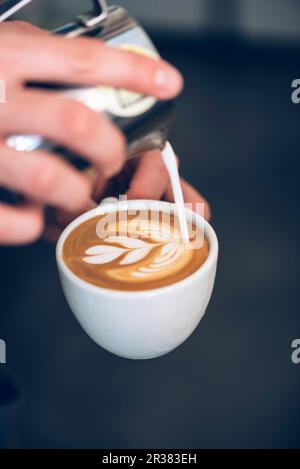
x=127 y=251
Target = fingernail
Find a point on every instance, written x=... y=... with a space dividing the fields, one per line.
x=169 y=79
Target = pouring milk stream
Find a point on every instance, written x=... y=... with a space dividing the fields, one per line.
x=170 y=162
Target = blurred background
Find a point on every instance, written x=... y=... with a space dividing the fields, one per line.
x=233 y=384
x=268 y=19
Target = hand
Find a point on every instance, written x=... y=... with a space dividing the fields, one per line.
x=151 y=181
x=142 y=178
x=28 y=53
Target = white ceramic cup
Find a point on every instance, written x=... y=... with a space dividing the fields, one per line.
x=140 y=324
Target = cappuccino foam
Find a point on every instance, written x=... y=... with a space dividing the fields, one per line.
x=127 y=252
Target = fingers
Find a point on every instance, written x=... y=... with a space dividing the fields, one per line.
x=191 y=196
x=90 y=62
x=151 y=178
x=21 y=27
x=20 y=225
x=98 y=184
x=67 y=122
x=98 y=181
x=44 y=178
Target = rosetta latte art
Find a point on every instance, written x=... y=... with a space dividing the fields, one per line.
x=133 y=255
x=129 y=251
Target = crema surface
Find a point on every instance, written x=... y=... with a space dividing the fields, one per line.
x=120 y=251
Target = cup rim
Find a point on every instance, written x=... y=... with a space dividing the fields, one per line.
x=192 y=216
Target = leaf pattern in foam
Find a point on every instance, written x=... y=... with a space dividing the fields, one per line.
x=135 y=249
x=101 y=249
x=126 y=242
x=135 y=255
x=102 y=258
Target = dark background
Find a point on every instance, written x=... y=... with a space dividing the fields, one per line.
x=232 y=384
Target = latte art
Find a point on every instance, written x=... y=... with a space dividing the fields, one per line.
x=136 y=254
